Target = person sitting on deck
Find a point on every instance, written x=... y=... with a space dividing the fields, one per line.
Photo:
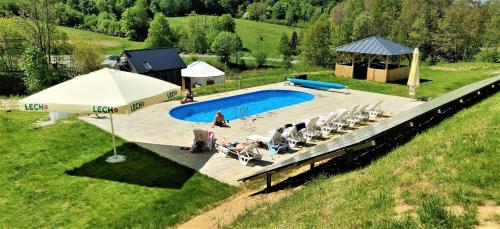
x=219 y=120
x=189 y=96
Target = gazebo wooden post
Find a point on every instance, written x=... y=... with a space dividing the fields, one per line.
x=386 y=62
x=399 y=61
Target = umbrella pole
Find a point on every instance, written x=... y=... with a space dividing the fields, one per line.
x=115 y=158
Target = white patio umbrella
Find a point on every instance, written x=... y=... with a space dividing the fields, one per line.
x=106 y=91
x=414 y=77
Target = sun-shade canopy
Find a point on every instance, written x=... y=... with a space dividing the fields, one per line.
x=375 y=46
x=102 y=91
x=200 y=69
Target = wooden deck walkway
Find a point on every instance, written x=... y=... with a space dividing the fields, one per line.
x=415 y=119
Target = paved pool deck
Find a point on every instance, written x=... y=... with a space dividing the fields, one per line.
x=154 y=129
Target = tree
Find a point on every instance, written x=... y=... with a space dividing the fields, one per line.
x=226 y=23
x=491 y=34
x=316 y=44
x=459 y=31
x=260 y=56
x=159 y=32
x=197 y=40
x=37 y=71
x=225 y=45
x=285 y=50
x=84 y=59
x=135 y=21
x=294 y=42
x=257 y=11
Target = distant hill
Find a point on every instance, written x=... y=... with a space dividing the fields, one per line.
x=249 y=32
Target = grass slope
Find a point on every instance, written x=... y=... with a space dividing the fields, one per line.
x=249 y=32
x=56 y=177
x=437 y=180
x=104 y=44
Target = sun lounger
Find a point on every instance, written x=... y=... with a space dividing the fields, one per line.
x=362 y=114
x=374 y=110
x=246 y=154
x=203 y=136
x=351 y=115
x=312 y=130
x=293 y=136
x=328 y=125
x=274 y=141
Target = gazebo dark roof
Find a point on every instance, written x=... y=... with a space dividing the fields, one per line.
x=375 y=45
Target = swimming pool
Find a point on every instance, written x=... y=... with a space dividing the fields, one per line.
x=240 y=106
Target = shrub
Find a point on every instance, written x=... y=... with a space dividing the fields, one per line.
x=260 y=58
x=225 y=45
x=490 y=56
x=11 y=84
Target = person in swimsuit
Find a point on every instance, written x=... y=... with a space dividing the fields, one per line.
x=219 y=120
x=189 y=96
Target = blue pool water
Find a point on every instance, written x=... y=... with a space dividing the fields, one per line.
x=240 y=106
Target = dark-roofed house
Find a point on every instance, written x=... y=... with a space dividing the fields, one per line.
x=162 y=63
x=373 y=58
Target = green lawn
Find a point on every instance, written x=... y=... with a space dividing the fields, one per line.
x=56 y=177
x=104 y=44
x=249 y=32
x=437 y=180
x=436 y=80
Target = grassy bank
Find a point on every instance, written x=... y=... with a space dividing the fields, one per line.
x=440 y=179
x=56 y=177
x=104 y=44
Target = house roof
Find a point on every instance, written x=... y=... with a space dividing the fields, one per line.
x=200 y=69
x=375 y=45
x=154 y=59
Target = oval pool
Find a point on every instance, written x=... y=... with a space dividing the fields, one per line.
x=240 y=106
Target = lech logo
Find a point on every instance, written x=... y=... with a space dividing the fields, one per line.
x=171 y=94
x=36 y=107
x=104 y=109
x=136 y=106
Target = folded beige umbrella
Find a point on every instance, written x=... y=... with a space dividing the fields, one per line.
x=414 y=77
x=106 y=91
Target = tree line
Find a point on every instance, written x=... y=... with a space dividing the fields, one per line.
x=443 y=30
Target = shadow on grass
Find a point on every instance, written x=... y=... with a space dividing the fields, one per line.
x=142 y=167
x=405 y=81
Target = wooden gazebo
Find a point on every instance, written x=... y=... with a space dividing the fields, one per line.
x=373 y=58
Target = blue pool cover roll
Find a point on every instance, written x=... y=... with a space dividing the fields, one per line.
x=317 y=84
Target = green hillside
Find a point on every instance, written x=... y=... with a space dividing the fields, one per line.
x=103 y=43
x=249 y=32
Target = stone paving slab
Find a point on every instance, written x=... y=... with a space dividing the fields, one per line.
x=153 y=128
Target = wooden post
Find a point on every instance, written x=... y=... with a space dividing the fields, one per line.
x=369 y=60
x=386 y=62
x=353 y=61
x=268 y=181
x=399 y=61
x=312 y=166
x=183 y=83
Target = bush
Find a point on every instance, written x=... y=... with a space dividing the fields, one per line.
x=490 y=56
x=11 y=84
x=225 y=45
x=260 y=58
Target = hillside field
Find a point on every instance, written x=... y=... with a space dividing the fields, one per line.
x=248 y=31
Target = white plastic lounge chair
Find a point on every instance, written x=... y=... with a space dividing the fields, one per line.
x=329 y=124
x=275 y=142
x=312 y=130
x=362 y=114
x=341 y=121
x=203 y=136
x=250 y=152
x=293 y=136
x=351 y=115
x=374 y=110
